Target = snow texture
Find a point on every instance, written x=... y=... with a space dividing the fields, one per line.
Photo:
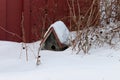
x=100 y=64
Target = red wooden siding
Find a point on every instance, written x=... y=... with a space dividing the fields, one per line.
x=27 y=17
x=10 y=19
x=2 y=18
x=38 y=15
x=13 y=21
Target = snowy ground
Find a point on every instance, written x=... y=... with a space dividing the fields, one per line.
x=99 y=64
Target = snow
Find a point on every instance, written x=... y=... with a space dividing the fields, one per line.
x=61 y=31
x=99 y=64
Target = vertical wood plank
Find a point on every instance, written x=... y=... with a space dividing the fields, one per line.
x=13 y=19
x=27 y=18
x=2 y=19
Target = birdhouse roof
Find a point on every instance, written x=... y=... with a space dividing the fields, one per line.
x=61 y=31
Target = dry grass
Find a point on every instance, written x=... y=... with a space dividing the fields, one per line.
x=96 y=30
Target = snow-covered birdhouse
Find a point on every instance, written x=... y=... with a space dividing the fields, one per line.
x=56 y=38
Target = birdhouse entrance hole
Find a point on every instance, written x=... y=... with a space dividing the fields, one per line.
x=53 y=47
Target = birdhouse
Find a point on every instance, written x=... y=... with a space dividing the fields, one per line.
x=56 y=38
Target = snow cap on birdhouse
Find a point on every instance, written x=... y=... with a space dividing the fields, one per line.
x=56 y=38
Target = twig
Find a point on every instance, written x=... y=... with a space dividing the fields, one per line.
x=11 y=33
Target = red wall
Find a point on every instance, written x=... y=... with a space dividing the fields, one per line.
x=38 y=15
x=2 y=18
x=10 y=19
